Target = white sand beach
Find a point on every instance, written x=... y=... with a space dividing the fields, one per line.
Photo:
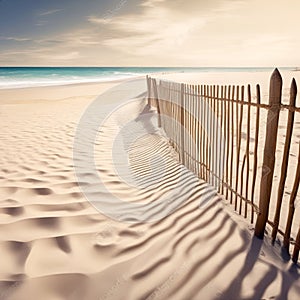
x=55 y=245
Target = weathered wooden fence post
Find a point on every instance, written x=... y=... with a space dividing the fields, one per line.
x=269 y=153
x=155 y=91
x=149 y=90
x=182 y=112
x=285 y=160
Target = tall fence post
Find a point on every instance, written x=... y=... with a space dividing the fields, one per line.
x=155 y=91
x=269 y=153
x=182 y=122
x=149 y=90
x=285 y=160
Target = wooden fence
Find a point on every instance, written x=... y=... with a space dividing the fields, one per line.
x=230 y=138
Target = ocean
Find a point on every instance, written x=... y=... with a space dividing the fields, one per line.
x=22 y=77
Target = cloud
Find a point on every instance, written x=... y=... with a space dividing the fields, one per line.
x=41 y=23
x=216 y=32
x=98 y=20
x=15 y=39
x=50 y=12
x=157 y=29
x=151 y=3
x=63 y=56
x=178 y=32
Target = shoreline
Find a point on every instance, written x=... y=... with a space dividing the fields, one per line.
x=85 y=91
x=71 y=84
x=94 y=89
x=16 y=82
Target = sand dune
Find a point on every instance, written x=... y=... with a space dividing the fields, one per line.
x=54 y=244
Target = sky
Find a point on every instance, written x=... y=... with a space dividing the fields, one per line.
x=194 y=33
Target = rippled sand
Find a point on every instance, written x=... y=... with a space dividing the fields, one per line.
x=54 y=244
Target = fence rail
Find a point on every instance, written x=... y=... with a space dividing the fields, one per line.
x=227 y=137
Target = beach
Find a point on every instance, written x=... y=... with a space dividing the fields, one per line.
x=56 y=244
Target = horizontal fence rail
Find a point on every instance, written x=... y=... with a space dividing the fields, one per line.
x=240 y=146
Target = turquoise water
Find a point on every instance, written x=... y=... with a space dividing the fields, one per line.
x=20 y=77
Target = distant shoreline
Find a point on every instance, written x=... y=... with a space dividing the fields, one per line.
x=71 y=84
x=25 y=77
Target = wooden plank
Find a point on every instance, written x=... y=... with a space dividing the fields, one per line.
x=197 y=116
x=148 y=90
x=204 y=134
x=197 y=134
x=227 y=160
x=210 y=127
x=219 y=145
x=285 y=160
x=194 y=132
x=296 y=248
x=182 y=123
x=224 y=144
x=190 y=129
x=214 y=135
x=239 y=120
x=255 y=150
x=286 y=239
x=156 y=101
x=201 y=110
x=242 y=184
x=248 y=150
x=232 y=144
x=206 y=131
x=269 y=153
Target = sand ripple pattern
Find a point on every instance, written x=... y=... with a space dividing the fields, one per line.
x=58 y=246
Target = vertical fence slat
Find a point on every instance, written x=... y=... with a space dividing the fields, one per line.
x=269 y=153
x=219 y=141
x=241 y=178
x=206 y=132
x=248 y=150
x=200 y=113
x=182 y=122
x=255 y=151
x=238 y=141
x=232 y=144
x=296 y=248
x=187 y=126
x=155 y=92
x=214 y=137
x=242 y=184
x=226 y=159
x=286 y=240
x=197 y=116
x=149 y=90
x=190 y=129
x=197 y=120
x=237 y=137
x=194 y=131
x=286 y=153
x=210 y=126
